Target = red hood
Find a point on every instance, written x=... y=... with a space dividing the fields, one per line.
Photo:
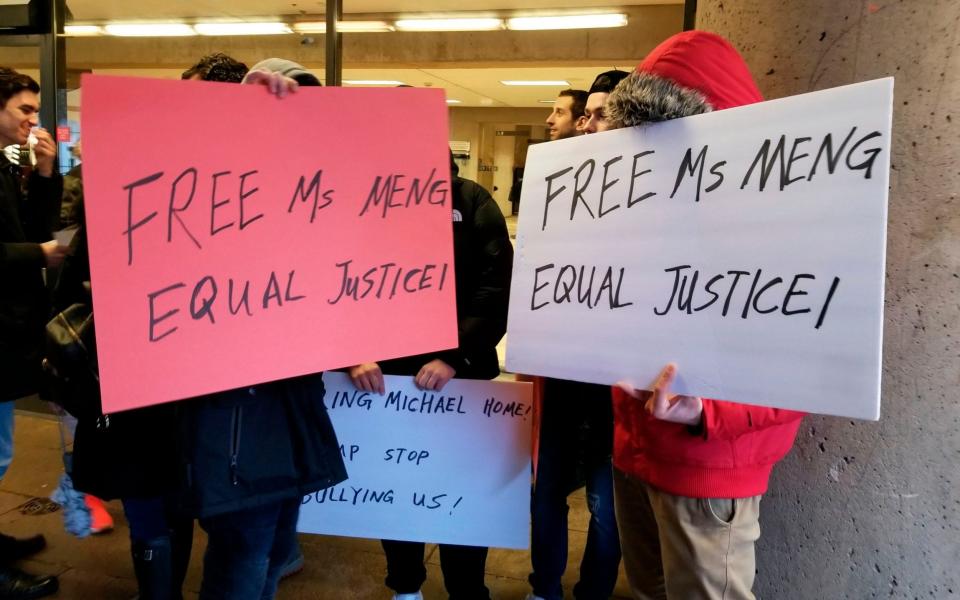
x=707 y=63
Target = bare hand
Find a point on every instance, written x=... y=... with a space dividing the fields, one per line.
x=367 y=377
x=45 y=150
x=54 y=252
x=434 y=375
x=277 y=84
x=686 y=410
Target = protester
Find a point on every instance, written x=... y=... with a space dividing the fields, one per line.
x=483 y=258
x=574 y=447
x=599 y=90
x=133 y=455
x=689 y=472
x=567 y=118
x=251 y=454
x=26 y=229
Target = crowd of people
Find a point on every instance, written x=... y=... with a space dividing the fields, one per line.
x=673 y=483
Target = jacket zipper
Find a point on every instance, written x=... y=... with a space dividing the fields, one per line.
x=235 y=443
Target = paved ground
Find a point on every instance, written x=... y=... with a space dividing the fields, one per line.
x=98 y=568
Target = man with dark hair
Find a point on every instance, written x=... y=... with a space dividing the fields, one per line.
x=601 y=88
x=217 y=67
x=26 y=226
x=567 y=119
x=575 y=444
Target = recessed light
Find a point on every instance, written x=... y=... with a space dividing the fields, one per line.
x=373 y=82
x=452 y=101
x=82 y=30
x=343 y=26
x=567 y=22
x=241 y=28
x=464 y=24
x=551 y=82
x=149 y=29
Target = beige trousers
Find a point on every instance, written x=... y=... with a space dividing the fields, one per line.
x=680 y=548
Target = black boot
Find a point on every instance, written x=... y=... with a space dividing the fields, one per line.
x=17 y=585
x=12 y=549
x=181 y=544
x=151 y=563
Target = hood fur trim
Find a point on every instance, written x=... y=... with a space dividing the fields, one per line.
x=645 y=98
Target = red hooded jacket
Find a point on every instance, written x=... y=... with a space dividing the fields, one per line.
x=733 y=454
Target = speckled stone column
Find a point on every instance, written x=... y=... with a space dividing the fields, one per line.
x=872 y=510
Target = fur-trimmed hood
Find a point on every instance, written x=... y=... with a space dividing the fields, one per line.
x=645 y=98
x=690 y=73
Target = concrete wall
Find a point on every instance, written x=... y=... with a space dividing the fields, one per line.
x=869 y=510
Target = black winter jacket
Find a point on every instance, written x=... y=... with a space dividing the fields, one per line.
x=253 y=446
x=24 y=302
x=483 y=263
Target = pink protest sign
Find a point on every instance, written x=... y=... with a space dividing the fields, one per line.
x=237 y=237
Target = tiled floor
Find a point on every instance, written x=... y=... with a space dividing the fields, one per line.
x=98 y=568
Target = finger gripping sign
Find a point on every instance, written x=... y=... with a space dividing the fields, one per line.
x=237 y=237
x=441 y=467
x=746 y=245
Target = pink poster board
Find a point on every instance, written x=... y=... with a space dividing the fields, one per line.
x=237 y=237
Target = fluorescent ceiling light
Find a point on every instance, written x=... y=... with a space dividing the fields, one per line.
x=81 y=30
x=567 y=22
x=242 y=28
x=547 y=101
x=452 y=101
x=373 y=82
x=343 y=26
x=553 y=82
x=149 y=29
x=464 y=24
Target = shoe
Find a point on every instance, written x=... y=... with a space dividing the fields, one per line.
x=415 y=596
x=100 y=519
x=13 y=549
x=17 y=585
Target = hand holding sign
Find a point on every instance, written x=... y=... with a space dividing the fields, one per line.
x=277 y=84
x=434 y=375
x=367 y=377
x=675 y=408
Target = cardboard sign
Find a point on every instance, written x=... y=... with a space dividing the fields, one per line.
x=237 y=237
x=746 y=245
x=441 y=467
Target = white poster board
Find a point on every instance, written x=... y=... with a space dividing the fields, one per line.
x=441 y=467
x=746 y=245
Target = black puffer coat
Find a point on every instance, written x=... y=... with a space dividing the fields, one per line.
x=483 y=262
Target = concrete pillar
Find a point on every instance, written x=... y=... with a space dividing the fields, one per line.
x=870 y=510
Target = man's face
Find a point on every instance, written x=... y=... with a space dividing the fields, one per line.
x=18 y=117
x=561 y=122
x=596 y=120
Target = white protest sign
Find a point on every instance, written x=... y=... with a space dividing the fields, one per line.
x=442 y=467
x=746 y=245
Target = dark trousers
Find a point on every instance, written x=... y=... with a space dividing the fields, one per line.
x=246 y=551
x=576 y=441
x=462 y=567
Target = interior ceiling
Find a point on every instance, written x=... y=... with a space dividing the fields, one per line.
x=473 y=87
x=96 y=10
